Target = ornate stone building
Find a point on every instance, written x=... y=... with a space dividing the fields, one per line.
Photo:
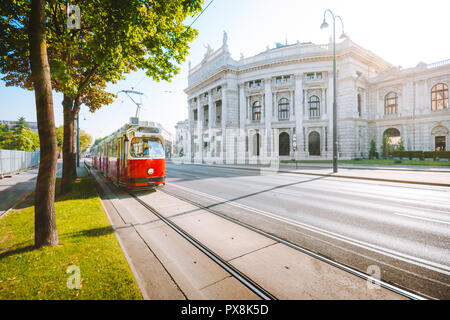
x=181 y=138
x=279 y=104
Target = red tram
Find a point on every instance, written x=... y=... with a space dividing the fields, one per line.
x=132 y=157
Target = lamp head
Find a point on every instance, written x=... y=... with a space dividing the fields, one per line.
x=324 y=24
x=343 y=35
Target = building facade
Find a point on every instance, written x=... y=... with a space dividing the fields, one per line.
x=181 y=138
x=279 y=104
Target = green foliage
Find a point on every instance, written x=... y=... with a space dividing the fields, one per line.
x=116 y=37
x=373 y=150
x=85 y=140
x=443 y=154
x=415 y=155
x=60 y=137
x=86 y=240
x=401 y=146
x=435 y=155
x=430 y=155
x=97 y=141
x=385 y=146
x=20 y=137
x=21 y=123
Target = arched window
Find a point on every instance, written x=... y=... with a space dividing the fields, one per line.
x=314 y=107
x=390 y=104
x=394 y=136
x=314 y=144
x=359 y=105
x=283 y=109
x=284 y=144
x=256 y=111
x=439 y=97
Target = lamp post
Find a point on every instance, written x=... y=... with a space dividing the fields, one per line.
x=324 y=26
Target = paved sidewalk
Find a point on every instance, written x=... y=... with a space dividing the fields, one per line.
x=16 y=188
x=424 y=177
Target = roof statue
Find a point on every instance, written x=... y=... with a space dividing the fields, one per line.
x=208 y=53
x=225 y=38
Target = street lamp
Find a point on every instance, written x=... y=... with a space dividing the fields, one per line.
x=324 y=26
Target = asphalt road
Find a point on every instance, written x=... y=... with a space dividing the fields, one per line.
x=401 y=231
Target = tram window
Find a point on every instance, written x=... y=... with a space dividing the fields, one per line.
x=146 y=148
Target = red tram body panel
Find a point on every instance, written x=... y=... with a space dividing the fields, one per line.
x=132 y=157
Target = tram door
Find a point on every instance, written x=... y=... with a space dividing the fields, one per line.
x=124 y=156
x=119 y=159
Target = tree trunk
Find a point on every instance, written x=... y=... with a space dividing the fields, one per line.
x=69 y=172
x=45 y=225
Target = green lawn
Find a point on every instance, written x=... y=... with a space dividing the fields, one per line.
x=86 y=240
x=378 y=162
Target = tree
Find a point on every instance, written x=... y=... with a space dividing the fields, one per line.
x=24 y=139
x=373 y=149
x=45 y=224
x=19 y=138
x=85 y=140
x=386 y=147
x=401 y=146
x=21 y=123
x=116 y=37
x=60 y=138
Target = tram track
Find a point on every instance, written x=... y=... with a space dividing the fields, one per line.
x=246 y=281
x=388 y=286
x=233 y=271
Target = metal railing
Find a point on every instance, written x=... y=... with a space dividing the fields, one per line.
x=15 y=160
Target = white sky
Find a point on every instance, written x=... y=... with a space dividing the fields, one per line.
x=400 y=31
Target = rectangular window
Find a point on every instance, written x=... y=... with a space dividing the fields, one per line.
x=218 y=112
x=314 y=76
x=440 y=143
x=205 y=116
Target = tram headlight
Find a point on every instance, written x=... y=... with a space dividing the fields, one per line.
x=150 y=171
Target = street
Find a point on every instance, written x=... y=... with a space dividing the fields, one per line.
x=402 y=229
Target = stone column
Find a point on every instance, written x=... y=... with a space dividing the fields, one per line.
x=324 y=110
x=211 y=121
x=330 y=116
x=190 y=134
x=248 y=112
x=298 y=96
x=267 y=152
x=224 y=122
x=200 y=129
x=242 y=121
x=291 y=104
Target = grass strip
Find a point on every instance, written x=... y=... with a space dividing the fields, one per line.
x=86 y=240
